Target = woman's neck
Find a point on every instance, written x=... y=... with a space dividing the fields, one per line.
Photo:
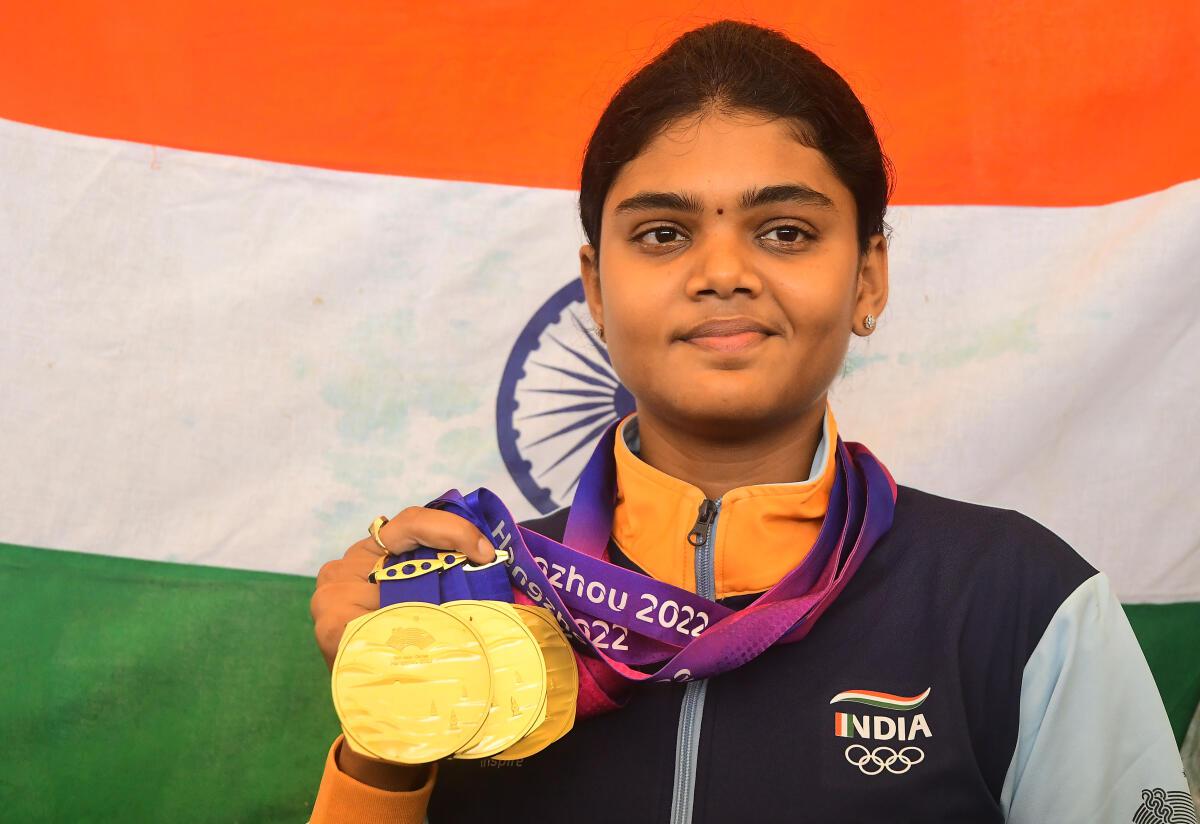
x=778 y=454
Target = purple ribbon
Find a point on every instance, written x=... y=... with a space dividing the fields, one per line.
x=624 y=619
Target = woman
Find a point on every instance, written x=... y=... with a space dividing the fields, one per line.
x=974 y=667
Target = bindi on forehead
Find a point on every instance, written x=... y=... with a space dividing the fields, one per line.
x=720 y=211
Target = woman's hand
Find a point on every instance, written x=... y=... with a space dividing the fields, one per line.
x=343 y=592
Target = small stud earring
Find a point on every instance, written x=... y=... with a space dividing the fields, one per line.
x=869 y=322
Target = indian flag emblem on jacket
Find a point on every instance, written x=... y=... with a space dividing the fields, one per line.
x=880 y=727
x=883 y=700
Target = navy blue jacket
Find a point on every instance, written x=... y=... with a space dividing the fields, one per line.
x=1040 y=705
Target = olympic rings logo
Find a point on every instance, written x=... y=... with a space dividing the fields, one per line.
x=873 y=762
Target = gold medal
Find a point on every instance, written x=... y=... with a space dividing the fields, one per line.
x=411 y=683
x=518 y=675
x=562 y=684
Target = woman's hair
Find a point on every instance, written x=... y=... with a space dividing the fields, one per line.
x=730 y=66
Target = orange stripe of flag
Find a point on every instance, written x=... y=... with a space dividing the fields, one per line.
x=1065 y=103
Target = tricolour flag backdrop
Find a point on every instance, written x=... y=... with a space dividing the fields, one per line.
x=268 y=270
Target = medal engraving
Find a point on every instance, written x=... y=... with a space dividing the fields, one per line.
x=518 y=675
x=411 y=683
x=562 y=685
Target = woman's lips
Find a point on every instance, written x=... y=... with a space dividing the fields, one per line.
x=729 y=343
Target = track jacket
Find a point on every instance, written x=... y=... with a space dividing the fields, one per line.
x=975 y=669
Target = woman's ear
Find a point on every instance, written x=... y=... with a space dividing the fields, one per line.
x=872 y=292
x=589 y=273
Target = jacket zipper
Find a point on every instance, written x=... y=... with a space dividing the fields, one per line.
x=691 y=712
x=704 y=522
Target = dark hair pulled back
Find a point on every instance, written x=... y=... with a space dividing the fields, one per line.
x=731 y=66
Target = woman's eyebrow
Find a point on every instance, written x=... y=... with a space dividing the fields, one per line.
x=797 y=193
x=647 y=201
x=786 y=193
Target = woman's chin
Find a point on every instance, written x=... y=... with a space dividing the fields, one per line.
x=720 y=414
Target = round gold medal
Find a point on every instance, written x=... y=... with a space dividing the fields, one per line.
x=518 y=675
x=562 y=684
x=411 y=683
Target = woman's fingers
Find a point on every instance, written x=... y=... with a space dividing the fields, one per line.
x=330 y=624
x=355 y=565
x=349 y=594
x=418 y=526
x=343 y=592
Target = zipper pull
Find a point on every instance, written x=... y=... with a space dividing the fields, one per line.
x=704 y=521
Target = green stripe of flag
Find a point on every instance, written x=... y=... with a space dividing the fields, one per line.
x=1170 y=638
x=148 y=691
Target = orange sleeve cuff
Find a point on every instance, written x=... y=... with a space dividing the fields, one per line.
x=343 y=800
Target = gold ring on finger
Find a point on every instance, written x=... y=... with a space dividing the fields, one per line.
x=377 y=525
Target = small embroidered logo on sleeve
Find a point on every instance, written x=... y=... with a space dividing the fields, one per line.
x=1165 y=807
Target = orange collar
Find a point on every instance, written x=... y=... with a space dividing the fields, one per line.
x=763 y=531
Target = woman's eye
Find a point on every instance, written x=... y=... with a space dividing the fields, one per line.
x=661 y=235
x=668 y=235
x=789 y=234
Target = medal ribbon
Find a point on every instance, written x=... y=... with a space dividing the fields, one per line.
x=460 y=582
x=638 y=629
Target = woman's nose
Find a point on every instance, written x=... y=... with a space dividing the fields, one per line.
x=722 y=265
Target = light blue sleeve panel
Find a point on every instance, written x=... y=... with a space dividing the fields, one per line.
x=1093 y=744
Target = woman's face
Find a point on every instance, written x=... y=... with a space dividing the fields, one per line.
x=697 y=229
